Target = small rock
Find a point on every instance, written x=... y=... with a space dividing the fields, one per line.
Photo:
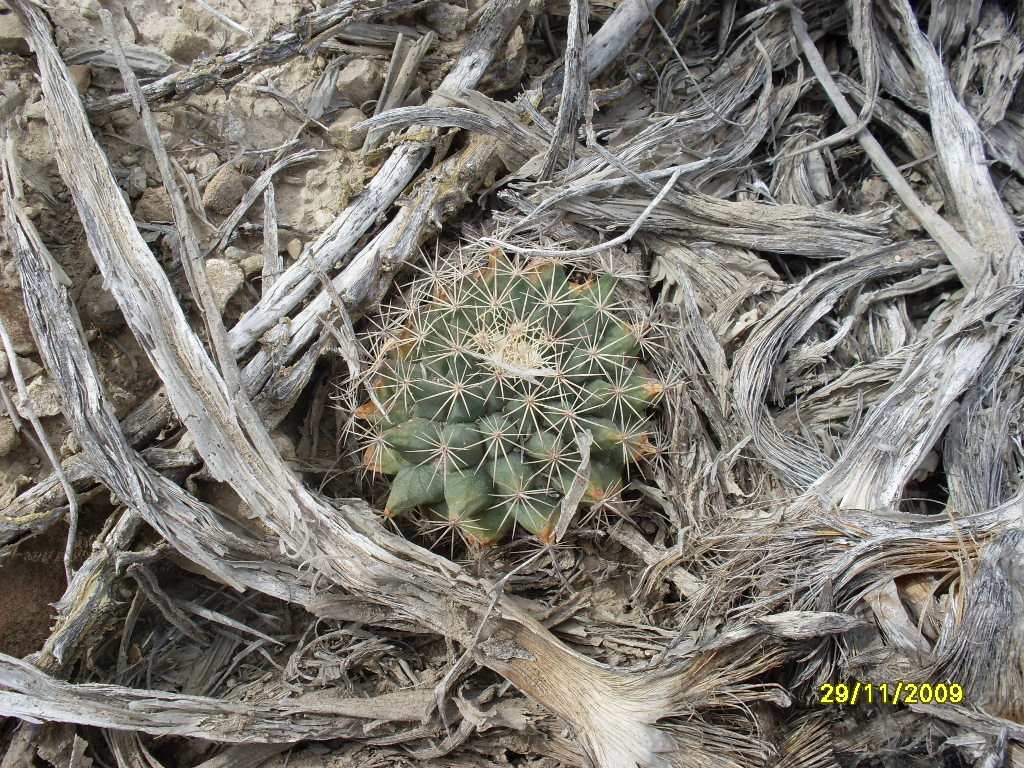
x=90 y=9
x=12 y=35
x=225 y=277
x=27 y=367
x=205 y=165
x=9 y=437
x=98 y=306
x=447 y=20
x=136 y=184
x=873 y=190
x=70 y=446
x=81 y=76
x=322 y=219
x=184 y=44
x=224 y=190
x=360 y=81
x=294 y=247
x=122 y=120
x=906 y=220
x=252 y=265
x=12 y=310
x=154 y=205
x=43 y=398
x=35 y=111
x=11 y=97
x=234 y=253
x=342 y=133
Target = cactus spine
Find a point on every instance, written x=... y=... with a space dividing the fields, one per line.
x=482 y=385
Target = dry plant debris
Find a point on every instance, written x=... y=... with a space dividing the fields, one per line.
x=307 y=311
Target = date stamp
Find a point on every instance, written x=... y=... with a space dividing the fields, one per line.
x=894 y=693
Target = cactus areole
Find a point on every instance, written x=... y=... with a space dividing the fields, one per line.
x=481 y=389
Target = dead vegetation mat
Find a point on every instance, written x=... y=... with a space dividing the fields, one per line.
x=211 y=210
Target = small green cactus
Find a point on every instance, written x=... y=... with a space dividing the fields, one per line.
x=480 y=390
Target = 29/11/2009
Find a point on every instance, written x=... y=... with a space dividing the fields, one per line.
x=900 y=692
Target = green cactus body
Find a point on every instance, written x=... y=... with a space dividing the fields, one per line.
x=414 y=486
x=384 y=459
x=467 y=494
x=486 y=381
x=537 y=514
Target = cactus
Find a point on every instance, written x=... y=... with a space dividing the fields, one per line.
x=482 y=385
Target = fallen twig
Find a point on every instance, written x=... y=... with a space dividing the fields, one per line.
x=44 y=440
x=279 y=47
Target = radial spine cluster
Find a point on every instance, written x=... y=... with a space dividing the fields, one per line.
x=481 y=389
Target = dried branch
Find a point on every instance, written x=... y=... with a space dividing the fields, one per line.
x=969 y=262
x=44 y=440
x=277 y=48
x=35 y=697
x=575 y=87
x=273 y=262
x=335 y=243
x=613 y=712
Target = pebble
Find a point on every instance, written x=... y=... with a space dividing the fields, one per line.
x=9 y=437
x=342 y=133
x=137 y=181
x=225 y=277
x=224 y=190
x=206 y=164
x=81 y=76
x=447 y=20
x=361 y=80
x=43 y=398
x=98 y=306
x=252 y=265
x=12 y=310
x=12 y=34
x=234 y=253
x=35 y=111
x=26 y=366
x=154 y=205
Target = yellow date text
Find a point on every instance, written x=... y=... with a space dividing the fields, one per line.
x=894 y=693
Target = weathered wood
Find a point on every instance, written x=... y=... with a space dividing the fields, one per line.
x=337 y=241
x=962 y=254
x=213 y=541
x=33 y=696
x=278 y=47
x=43 y=439
x=613 y=712
x=836 y=431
